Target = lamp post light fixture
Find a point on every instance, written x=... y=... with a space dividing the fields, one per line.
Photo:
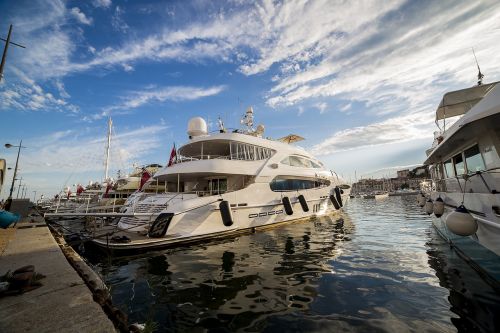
x=9 y=199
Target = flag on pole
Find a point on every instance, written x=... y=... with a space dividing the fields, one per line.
x=144 y=178
x=79 y=189
x=173 y=156
x=108 y=187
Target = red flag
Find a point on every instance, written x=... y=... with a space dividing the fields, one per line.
x=108 y=187
x=79 y=189
x=173 y=156
x=144 y=178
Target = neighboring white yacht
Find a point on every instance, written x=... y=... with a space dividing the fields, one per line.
x=465 y=167
x=132 y=181
x=225 y=183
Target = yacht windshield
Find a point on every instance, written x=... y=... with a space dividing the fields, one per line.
x=223 y=149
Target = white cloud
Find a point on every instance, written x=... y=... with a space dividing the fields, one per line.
x=80 y=16
x=117 y=21
x=127 y=68
x=60 y=87
x=26 y=94
x=77 y=156
x=321 y=107
x=393 y=130
x=172 y=93
x=346 y=107
x=101 y=3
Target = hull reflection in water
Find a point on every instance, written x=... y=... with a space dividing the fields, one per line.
x=233 y=283
x=386 y=270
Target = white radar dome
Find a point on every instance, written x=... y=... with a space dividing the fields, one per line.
x=197 y=126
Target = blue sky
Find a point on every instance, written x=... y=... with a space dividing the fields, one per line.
x=360 y=80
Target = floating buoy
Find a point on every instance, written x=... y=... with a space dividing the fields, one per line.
x=225 y=213
x=461 y=222
x=439 y=207
x=334 y=202
x=339 y=197
x=288 y=205
x=421 y=199
x=429 y=207
x=303 y=203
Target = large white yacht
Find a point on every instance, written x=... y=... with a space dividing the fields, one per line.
x=465 y=167
x=225 y=183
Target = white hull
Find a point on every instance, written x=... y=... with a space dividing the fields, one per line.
x=200 y=218
x=488 y=232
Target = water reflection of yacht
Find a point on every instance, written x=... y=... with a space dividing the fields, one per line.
x=228 y=276
x=227 y=182
x=464 y=164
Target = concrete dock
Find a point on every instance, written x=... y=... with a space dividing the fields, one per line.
x=64 y=303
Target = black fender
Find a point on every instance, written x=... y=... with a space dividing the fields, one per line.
x=334 y=202
x=338 y=196
x=288 y=205
x=226 y=213
x=303 y=203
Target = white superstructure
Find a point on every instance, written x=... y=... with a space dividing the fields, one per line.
x=227 y=182
x=465 y=167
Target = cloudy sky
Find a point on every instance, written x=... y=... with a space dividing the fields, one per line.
x=360 y=80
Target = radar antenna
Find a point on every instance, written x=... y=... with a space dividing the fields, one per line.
x=479 y=74
x=247 y=120
x=221 y=125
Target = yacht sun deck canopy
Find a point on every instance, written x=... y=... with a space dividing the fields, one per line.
x=456 y=103
x=291 y=138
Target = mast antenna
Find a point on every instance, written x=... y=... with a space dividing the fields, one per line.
x=479 y=74
x=108 y=147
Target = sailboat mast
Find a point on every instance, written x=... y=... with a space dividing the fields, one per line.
x=108 y=147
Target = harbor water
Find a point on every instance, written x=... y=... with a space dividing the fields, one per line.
x=380 y=267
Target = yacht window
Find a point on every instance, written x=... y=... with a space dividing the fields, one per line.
x=474 y=160
x=449 y=169
x=458 y=161
x=281 y=184
x=315 y=165
x=286 y=160
x=440 y=171
x=300 y=162
x=247 y=152
x=297 y=161
x=217 y=186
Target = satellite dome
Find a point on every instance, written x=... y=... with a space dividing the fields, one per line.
x=197 y=126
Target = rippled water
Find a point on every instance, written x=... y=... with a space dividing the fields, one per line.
x=379 y=267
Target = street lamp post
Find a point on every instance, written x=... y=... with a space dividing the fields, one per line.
x=9 y=199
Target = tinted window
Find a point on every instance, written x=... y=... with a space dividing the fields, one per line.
x=284 y=184
x=473 y=159
x=458 y=161
x=449 y=169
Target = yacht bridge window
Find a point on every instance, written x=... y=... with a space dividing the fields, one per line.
x=458 y=161
x=301 y=162
x=474 y=160
x=448 y=166
x=223 y=149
